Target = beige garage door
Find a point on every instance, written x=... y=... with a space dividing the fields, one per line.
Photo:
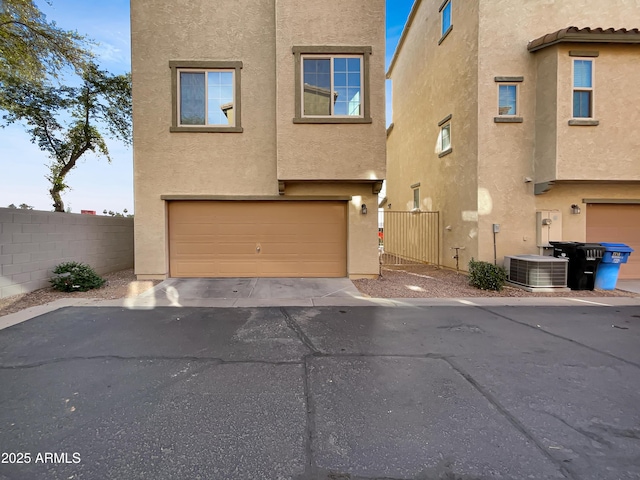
x=617 y=223
x=257 y=239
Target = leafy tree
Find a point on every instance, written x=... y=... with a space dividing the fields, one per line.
x=22 y=206
x=117 y=214
x=32 y=48
x=67 y=122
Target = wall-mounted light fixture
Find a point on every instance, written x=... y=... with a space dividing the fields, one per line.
x=364 y=209
x=575 y=209
x=389 y=206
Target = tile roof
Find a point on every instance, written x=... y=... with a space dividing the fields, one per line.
x=586 y=35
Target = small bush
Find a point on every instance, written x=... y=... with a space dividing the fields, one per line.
x=75 y=277
x=486 y=276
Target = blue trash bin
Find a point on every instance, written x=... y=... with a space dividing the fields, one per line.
x=615 y=255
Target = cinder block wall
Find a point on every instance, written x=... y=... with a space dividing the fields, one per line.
x=32 y=243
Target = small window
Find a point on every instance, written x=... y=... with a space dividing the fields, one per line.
x=416 y=198
x=206 y=96
x=332 y=84
x=445 y=138
x=507 y=100
x=583 y=89
x=445 y=15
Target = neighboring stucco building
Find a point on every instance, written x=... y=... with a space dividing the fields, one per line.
x=259 y=135
x=504 y=115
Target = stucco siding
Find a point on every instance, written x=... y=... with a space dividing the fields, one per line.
x=490 y=176
x=562 y=196
x=543 y=147
x=198 y=163
x=546 y=116
x=268 y=147
x=442 y=81
x=330 y=151
x=610 y=150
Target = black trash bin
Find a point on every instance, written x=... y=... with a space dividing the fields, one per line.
x=583 y=262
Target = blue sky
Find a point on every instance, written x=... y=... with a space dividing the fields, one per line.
x=96 y=184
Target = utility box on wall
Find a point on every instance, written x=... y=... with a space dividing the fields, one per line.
x=548 y=227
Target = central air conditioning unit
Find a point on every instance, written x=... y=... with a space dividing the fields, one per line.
x=536 y=272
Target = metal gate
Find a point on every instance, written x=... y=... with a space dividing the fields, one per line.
x=410 y=237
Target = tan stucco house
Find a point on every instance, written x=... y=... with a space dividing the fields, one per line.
x=259 y=137
x=504 y=114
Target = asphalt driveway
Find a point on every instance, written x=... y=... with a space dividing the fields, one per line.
x=412 y=392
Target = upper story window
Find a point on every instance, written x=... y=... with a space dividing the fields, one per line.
x=583 y=88
x=446 y=22
x=443 y=146
x=445 y=137
x=206 y=96
x=332 y=84
x=508 y=100
x=416 y=197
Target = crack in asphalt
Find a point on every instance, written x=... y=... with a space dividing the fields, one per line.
x=556 y=335
x=310 y=468
x=293 y=325
x=147 y=358
x=310 y=427
x=511 y=418
x=590 y=435
x=312 y=471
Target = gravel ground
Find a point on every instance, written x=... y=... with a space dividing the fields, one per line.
x=427 y=281
x=119 y=285
x=406 y=281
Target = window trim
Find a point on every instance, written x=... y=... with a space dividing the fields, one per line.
x=592 y=106
x=308 y=51
x=178 y=65
x=444 y=32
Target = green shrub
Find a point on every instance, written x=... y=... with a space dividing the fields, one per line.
x=75 y=277
x=486 y=276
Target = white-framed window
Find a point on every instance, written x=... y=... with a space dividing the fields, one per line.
x=444 y=139
x=583 y=83
x=508 y=100
x=445 y=17
x=205 y=96
x=416 y=197
x=332 y=86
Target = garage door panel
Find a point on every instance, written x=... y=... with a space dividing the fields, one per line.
x=234 y=268
x=193 y=268
x=617 y=223
x=296 y=239
x=274 y=239
x=192 y=229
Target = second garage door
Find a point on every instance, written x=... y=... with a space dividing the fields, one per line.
x=257 y=239
x=617 y=223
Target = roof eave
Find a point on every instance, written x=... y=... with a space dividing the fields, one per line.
x=588 y=38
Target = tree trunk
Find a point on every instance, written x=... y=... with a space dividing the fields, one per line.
x=58 y=204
